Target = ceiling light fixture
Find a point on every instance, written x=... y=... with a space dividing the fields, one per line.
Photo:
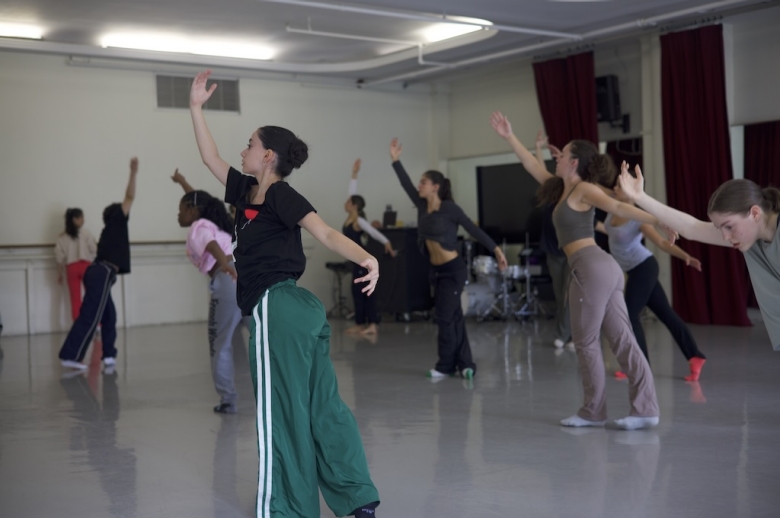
x=444 y=31
x=183 y=45
x=20 y=30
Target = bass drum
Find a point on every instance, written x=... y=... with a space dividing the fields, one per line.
x=476 y=299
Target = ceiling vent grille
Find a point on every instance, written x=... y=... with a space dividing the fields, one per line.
x=174 y=92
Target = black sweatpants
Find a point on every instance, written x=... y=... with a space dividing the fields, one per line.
x=453 y=343
x=366 y=310
x=97 y=307
x=643 y=289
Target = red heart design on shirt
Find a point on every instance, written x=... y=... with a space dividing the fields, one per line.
x=251 y=213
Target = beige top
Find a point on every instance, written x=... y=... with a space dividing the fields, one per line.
x=68 y=250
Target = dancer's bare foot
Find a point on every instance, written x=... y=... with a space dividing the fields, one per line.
x=372 y=329
x=354 y=330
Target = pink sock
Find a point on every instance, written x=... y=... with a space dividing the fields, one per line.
x=620 y=375
x=695 y=365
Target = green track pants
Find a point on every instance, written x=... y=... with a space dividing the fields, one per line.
x=307 y=437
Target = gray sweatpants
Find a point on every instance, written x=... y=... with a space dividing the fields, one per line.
x=596 y=304
x=224 y=318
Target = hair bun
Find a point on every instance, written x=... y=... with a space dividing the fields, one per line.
x=297 y=153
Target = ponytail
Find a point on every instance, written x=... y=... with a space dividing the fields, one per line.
x=550 y=192
x=771 y=196
x=359 y=202
x=445 y=187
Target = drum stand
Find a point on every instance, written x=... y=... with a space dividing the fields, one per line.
x=529 y=303
x=502 y=305
x=340 y=308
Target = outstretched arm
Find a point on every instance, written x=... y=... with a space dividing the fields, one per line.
x=403 y=176
x=688 y=226
x=504 y=129
x=353 y=190
x=130 y=191
x=206 y=145
x=179 y=178
x=675 y=251
x=345 y=247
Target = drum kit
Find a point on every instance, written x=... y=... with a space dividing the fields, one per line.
x=493 y=295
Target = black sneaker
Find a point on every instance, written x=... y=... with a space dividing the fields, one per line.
x=367 y=511
x=225 y=408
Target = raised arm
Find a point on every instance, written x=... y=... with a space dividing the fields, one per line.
x=403 y=176
x=675 y=251
x=206 y=145
x=353 y=190
x=480 y=235
x=130 y=190
x=592 y=195
x=688 y=226
x=345 y=247
x=179 y=178
x=504 y=129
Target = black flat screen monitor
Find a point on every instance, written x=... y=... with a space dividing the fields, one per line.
x=506 y=197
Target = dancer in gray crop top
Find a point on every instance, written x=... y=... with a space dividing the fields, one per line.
x=644 y=289
x=596 y=289
x=438 y=219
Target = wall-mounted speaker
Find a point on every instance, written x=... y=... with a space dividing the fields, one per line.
x=608 y=99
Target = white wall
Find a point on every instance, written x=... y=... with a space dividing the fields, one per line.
x=68 y=134
x=756 y=66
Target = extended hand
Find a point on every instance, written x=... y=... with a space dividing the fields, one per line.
x=541 y=139
x=178 y=177
x=395 y=149
x=198 y=93
x=501 y=124
x=693 y=263
x=356 y=168
x=133 y=165
x=632 y=187
x=671 y=234
x=389 y=249
x=372 y=266
x=501 y=259
x=226 y=268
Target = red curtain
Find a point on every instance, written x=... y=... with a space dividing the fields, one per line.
x=566 y=89
x=762 y=163
x=697 y=157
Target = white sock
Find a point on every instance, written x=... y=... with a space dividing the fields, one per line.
x=433 y=373
x=577 y=421
x=635 y=423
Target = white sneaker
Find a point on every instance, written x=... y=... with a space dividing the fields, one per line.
x=434 y=374
x=570 y=346
x=109 y=362
x=558 y=343
x=70 y=364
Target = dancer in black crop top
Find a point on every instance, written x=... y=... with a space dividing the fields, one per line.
x=355 y=226
x=438 y=219
x=596 y=289
x=298 y=405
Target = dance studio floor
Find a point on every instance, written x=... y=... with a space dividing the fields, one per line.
x=144 y=442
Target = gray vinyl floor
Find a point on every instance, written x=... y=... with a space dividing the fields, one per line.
x=144 y=442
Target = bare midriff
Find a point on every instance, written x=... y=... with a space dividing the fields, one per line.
x=439 y=255
x=576 y=246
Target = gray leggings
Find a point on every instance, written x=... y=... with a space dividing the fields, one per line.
x=224 y=318
x=596 y=305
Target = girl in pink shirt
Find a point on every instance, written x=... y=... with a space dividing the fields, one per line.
x=209 y=247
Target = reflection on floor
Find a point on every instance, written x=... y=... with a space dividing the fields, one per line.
x=144 y=441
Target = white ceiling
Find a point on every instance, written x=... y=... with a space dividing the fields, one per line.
x=75 y=27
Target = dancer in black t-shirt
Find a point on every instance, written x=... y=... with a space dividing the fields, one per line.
x=307 y=437
x=113 y=258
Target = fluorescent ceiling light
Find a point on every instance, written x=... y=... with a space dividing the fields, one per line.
x=20 y=30
x=183 y=45
x=445 y=31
